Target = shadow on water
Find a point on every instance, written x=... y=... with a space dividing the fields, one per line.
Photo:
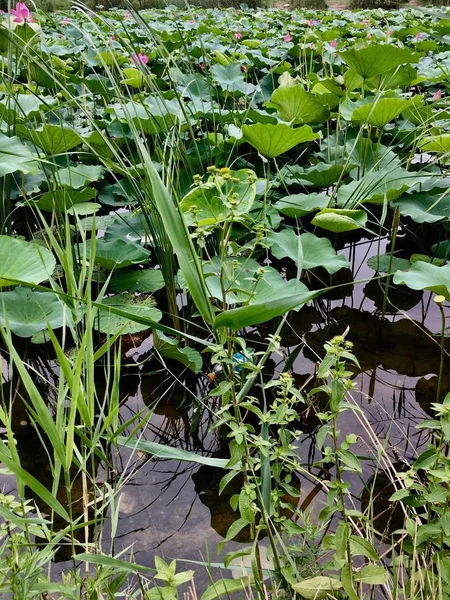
x=174 y=509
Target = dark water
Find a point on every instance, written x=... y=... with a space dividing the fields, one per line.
x=173 y=509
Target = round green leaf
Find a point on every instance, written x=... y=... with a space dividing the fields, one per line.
x=26 y=311
x=24 y=261
x=273 y=140
x=111 y=323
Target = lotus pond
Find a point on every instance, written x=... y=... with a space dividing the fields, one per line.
x=225 y=276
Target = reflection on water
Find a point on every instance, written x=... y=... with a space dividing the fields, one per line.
x=174 y=509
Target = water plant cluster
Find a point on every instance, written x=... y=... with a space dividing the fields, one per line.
x=196 y=180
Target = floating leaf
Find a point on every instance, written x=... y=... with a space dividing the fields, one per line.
x=15 y=156
x=381 y=262
x=378 y=187
x=143 y=281
x=317 y=588
x=27 y=311
x=110 y=323
x=437 y=143
x=24 y=261
x=117 y=254
x=59 y=201
x=315 y=252
x=299 y=205
x=53 y=139
x=425 y=276
x=79 y=176
x=379 y=111
x=424 y=207
x=273 y=140
x=340 y=219
x=298 y=106
x=377 y=59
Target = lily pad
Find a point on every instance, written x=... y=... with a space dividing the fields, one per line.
x=426 y=276
x=339 y=220
x=381 y=262
x=143 y=281
x=306 y=250
x=111 y=324
x=298 y=106
x=378 y=59
x=24 y=261
x=117 y=254
x=26 y=311
x=15 y=156
x=299 y=205
x=170 y=348
x=273 y=140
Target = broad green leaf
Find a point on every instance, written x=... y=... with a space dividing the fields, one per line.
x=117 y=254
x=437 y=143
x=317 y=588
x=26 y=311
x=362 y=547
x=347 y=582
x=260 y=312
x=246 y=281
x=299 y=205
x=377 y=59
x=143 y=281
x=317 y=252
x=224 y=587
x=230 y=78
x=425 y=276
x=425 y=207
x=79 y=176
x=208 y=199
x=371 y=575
x=170 y=348
x=133 y=77
x=273 y=140
x=113 y=324
x=340 y=219
x=52 y=139
x=298 y=106
x=59 y=201
x=15 y=156
x=168 y=452
x=378 y=187
x=379 y=111
x=381 y=262
x=24 y=261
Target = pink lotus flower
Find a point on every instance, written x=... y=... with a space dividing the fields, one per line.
x=237 y=35
x=127 y=15
x=113 y=38
x=22 y=14
x=288 y=37
x=65 y=21
x=192 y=22
x=333 y=43
x=418 y=36
x=312 y=46
x=369 y=35
x=365 y=22
x=389 y=32
x=139 y=59
x=437 y=96
x=243 y=69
